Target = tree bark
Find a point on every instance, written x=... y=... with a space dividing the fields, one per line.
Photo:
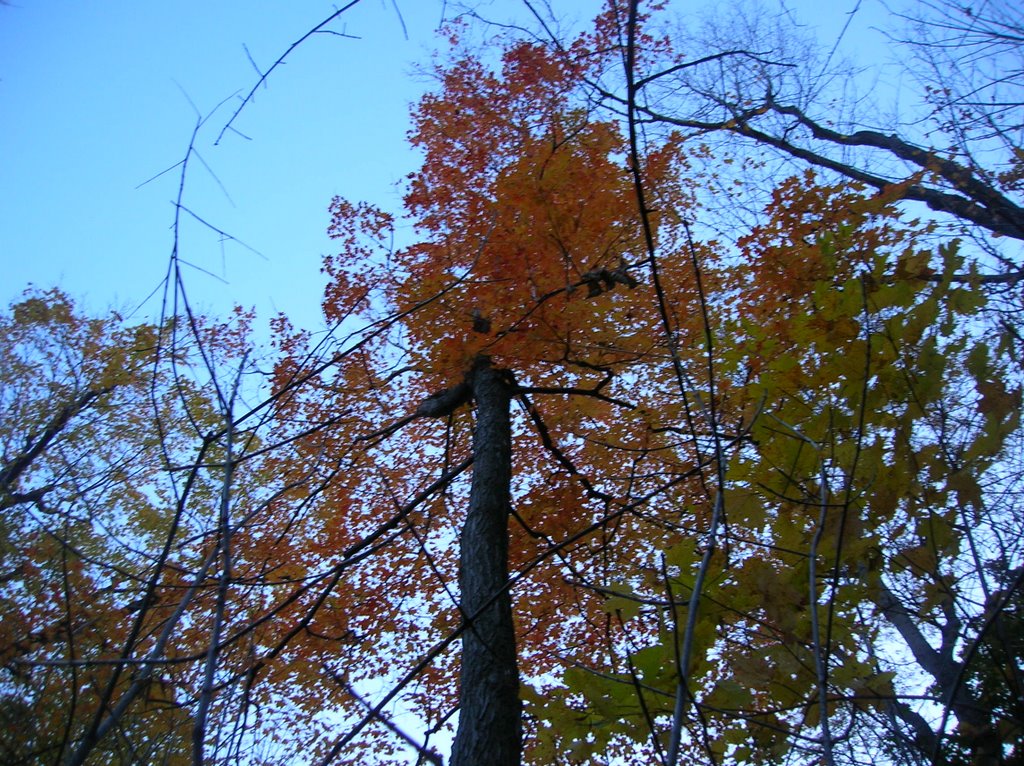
x=490 y=712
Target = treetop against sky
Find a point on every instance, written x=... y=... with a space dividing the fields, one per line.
x=667 y=411
x=105 y=98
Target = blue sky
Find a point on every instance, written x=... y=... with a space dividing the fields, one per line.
x=96 y=97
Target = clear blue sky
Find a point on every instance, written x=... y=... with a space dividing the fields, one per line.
x=95 y=99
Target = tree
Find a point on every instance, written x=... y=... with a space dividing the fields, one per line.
x=746 y=90
x=129 y=621
x=959 y=156
x=513 y=287
x=737 y=499
x=843 y=363
x=75 y=446
x=816 y=286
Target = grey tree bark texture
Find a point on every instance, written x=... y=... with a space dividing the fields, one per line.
x=490 y=712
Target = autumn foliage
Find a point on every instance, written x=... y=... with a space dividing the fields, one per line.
x=754 y=477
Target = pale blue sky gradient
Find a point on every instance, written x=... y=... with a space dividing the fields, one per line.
x=95 y=99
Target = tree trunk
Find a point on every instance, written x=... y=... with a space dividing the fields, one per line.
x=490 y=729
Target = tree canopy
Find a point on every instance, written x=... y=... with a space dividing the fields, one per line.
x=622 y=467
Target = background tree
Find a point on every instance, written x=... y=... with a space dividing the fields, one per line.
x=957 y=147
x=751 y=89
x=144 y=565
x=78 y=454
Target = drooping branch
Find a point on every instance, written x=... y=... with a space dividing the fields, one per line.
x=997 y=213
x=978 y=203
x=424 y=753
x=444 y=402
